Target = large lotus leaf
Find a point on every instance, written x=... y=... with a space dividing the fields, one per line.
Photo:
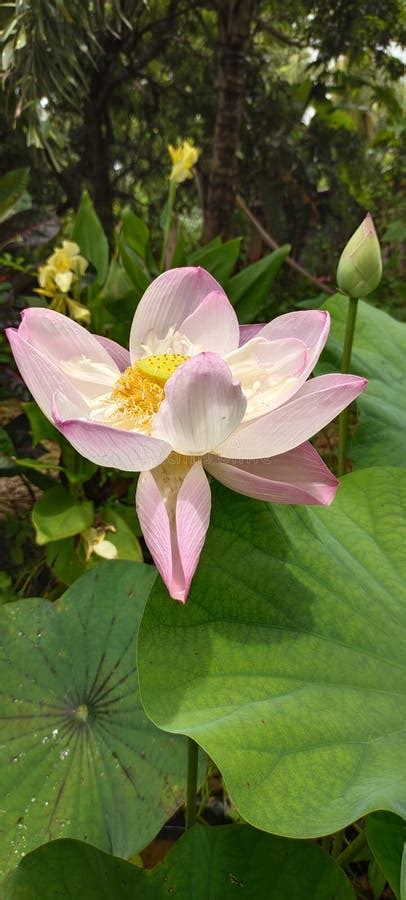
x=79 y=758
x=206 y=864
x=379 y=354
x=288 y=662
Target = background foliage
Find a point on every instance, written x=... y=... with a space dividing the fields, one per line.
x=297 y=109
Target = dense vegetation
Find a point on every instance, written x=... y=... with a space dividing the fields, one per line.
x=284 y=126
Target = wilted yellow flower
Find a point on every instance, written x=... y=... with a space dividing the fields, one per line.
x=183 y=157
x=63 y=304
x=360 y=266
x=95 y=542
x=62 y=269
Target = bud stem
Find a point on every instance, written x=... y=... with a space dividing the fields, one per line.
x=167 y=226
x=345 y=367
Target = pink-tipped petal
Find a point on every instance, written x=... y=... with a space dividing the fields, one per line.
x=106 y=446
x=167 y=302
x=41 y=375
x=192 y=521
x=119 y=354
x=310 y=326
x=174 y=513
x=298 y=476
x=213 y=325
x=315 y=404
x=154 y=521
x=59 y=338
x=202 y=406
x=269 y=372
x=247 y=332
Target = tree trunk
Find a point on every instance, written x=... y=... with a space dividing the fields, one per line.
x=97 y=149
x=234 y=18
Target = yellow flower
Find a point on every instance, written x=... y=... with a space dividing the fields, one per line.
x=183 y=157
x=62 y=269
x=77 y=311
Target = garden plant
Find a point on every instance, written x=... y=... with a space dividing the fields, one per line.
x=203 y=608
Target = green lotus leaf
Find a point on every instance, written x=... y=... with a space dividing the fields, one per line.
x=287 y=664
x=206 y=864
x=379 y=354
x=78 y=756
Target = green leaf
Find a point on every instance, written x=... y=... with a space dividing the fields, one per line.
x=64 y=561
x=205 y=864
x=386 y=835
x=12 y=191
x=88 y=233
x=379 y=354
x=78 y=755
x=117 y=284
x=41 y=428
x=219 y=260
x=25 y=462
x=124 y=538
x=249 y=289
x=136 y=235
x=7 y=593
x=288 y=662
x=6 y=444
x=57 y=515
x=376 y=879
x=134 y=270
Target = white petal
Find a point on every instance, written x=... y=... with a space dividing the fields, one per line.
x=310 y=326
x=41 y=375
x=270 y=372
x=315 y=404
x=104 y=444
x=298 y=476
x=59 y=338
x=173 y=506
x=213 y=325
x=167 y=302
x=202 y=406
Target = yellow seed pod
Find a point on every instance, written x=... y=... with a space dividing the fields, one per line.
x=160 y=368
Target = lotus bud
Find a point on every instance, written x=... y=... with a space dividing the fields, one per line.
x=360 y=267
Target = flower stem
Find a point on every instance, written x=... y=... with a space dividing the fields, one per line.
x=167 y=224
x=191 y=790
x=345 y=366
x=352 y=850
x=337 y=845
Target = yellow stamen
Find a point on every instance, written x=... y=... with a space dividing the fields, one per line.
x=138 y=393
x=161 y=367
x=137 y=396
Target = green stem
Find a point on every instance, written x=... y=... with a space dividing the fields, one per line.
x=338 y=840
x=352 y=850
x=191 y=790
x=168 y=220
x=345 y=367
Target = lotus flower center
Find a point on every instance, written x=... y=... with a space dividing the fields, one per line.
x=161 y=367
x=138 y=392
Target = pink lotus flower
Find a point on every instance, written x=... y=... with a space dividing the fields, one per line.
x=194 y=392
